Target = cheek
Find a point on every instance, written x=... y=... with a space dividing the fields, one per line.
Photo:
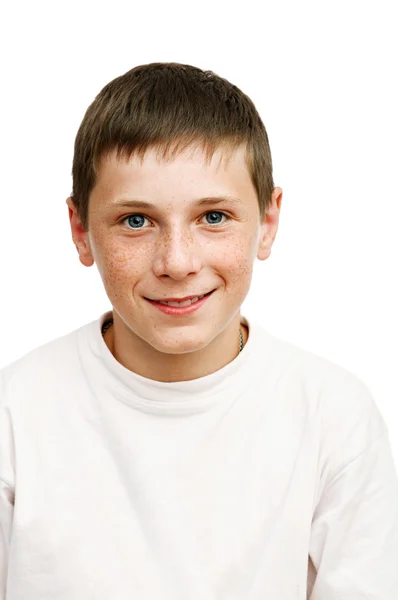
x=119 y=264
x=237 y=264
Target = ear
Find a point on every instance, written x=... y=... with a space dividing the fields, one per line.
x=79 y=235
x=269 y=226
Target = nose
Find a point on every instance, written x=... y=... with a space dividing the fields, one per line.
x=178 y=254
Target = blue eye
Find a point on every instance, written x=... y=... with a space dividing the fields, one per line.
x=136 y=218
x=216 y=212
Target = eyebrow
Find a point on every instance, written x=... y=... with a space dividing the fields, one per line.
x=199 y=202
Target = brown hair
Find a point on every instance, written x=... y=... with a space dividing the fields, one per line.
x=169 y=106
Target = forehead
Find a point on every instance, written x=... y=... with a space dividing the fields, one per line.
x=226 y=172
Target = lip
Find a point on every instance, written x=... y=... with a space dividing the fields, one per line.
x=175 y=299
x=180 y=310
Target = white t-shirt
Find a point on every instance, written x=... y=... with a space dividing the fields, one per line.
x=272 y=478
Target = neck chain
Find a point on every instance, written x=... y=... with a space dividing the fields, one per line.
x=106 y=326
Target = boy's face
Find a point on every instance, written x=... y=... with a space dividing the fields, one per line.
x=176 y=249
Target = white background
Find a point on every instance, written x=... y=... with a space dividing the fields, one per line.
x=323 y=76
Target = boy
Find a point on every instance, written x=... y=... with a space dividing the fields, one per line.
x=173 y=449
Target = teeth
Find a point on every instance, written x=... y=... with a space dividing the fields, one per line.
x=182 y=304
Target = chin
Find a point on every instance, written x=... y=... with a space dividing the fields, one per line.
x=179 y=345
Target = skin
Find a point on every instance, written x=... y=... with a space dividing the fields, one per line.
x=177 y=250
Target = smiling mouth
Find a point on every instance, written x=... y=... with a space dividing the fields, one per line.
x=181 y=304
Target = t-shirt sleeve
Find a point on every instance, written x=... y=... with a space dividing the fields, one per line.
x=7 y=491
x=354 y=532
x=6 y=516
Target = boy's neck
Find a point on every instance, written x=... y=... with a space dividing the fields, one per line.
x=185 y=370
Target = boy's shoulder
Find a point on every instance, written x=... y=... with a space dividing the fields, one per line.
x=332 y=398
x=57 y=356
x=304 y=365
x=334 y=390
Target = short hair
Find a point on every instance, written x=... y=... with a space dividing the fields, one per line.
x=168 y=106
